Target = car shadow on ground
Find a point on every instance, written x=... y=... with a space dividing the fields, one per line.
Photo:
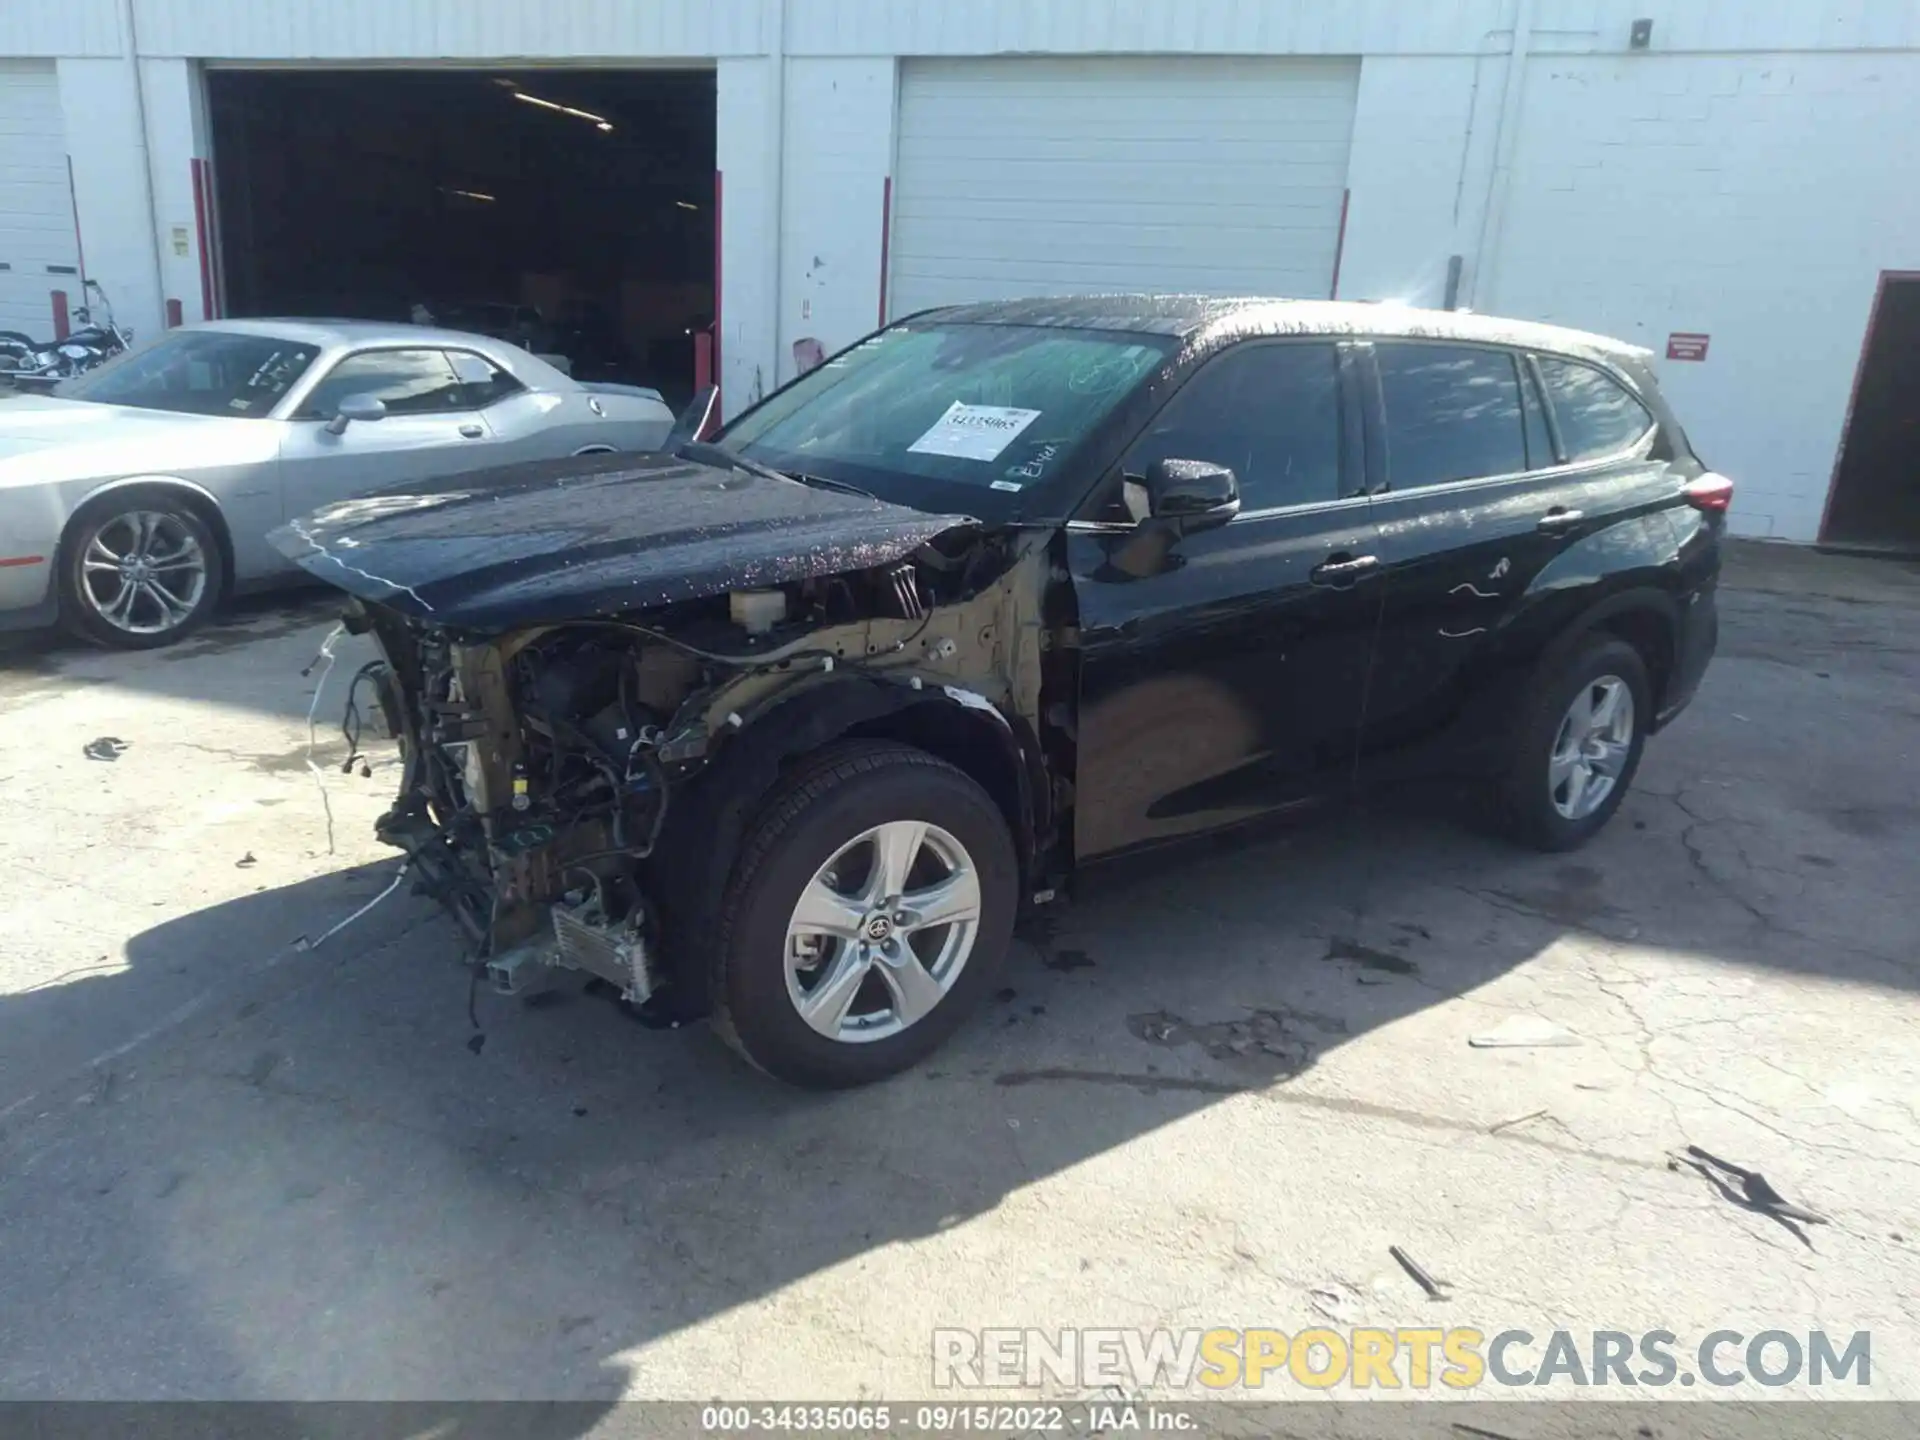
x=360 y=1175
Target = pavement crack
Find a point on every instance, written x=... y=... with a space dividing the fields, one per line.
x=1282 y=1094
x=1802 y=1142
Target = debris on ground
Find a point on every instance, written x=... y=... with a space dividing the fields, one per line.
x=246 y=861
x=1340 y=947
x=1335 y=1301
x=1523 y=1032
x=106 y=747
x=1516 y=1120
x=1460 y=1428
x=1755 y=1192
x=1435 y=1290
x=478 y=1042
x=1265 y=1036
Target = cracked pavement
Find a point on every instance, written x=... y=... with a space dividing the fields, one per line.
x=234 y=1168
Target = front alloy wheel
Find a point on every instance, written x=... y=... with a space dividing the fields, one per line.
x=869 y=910
x=139 y=577
x=882 y=931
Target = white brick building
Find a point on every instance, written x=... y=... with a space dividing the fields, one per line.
x=1738 y=175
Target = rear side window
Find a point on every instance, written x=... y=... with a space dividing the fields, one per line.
x=1596 y=415
x=1269 y=413
x=482 y=381
x=1452 y=413
x=410 y=382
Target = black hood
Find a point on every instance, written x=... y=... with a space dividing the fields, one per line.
x=532 y=544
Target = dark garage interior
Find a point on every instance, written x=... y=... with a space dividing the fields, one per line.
x=1876 y=493
x=570 y=211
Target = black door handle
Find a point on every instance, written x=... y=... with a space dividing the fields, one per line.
x=1340 y=568
x=1559 y=518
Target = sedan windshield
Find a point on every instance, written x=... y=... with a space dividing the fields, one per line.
x=946 y=416
x=198 y=372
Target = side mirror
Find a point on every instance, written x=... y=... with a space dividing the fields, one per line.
x=364 y=408
x=697 y=422
x=1188 y=496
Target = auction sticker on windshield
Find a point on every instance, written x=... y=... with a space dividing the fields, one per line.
x=974 y=432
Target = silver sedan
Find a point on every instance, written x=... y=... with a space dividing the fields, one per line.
x=136 y=496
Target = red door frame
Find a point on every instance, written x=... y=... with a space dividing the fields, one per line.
x=1887 y=277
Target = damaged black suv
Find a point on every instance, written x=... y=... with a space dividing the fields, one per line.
x=785 y=726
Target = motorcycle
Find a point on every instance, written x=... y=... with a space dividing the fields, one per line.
x=30 y=364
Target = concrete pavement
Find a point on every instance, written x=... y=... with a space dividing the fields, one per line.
x=1214 y=1096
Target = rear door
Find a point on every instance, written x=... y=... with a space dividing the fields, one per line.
x=431 y=428
x=1221 y=676
x=1478 y=497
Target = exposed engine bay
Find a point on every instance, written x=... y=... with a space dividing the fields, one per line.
x=544 y=768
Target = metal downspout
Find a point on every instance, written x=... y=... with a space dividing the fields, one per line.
x=130 y=30
x=1506 y=136
x=777 y=113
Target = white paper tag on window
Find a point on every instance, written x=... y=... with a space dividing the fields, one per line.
x=974 y=432
x=470 y=367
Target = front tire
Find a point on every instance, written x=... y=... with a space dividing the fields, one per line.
x=870 y=911
x=137 y=571
x=1582 y=729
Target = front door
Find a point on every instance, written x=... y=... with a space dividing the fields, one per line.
x=1222 y=675
x=431 y=428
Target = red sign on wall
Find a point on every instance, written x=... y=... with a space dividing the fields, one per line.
x=1686 y=345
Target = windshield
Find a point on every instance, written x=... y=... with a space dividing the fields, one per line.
x=945 y=416
x=198 y=372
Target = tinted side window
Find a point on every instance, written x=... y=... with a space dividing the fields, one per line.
x=483 y=381
x=1270 y=413
x=1597 y=417
x=1453 y=413
x=411 y=382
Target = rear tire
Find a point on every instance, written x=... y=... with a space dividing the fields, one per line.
x=1582 y=728
x=138 y=569
x=826 y=975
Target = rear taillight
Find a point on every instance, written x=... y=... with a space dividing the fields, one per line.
x=1709 y=492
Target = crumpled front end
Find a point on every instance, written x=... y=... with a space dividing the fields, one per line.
x=545 y=768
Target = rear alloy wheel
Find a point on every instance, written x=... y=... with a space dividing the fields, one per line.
x=140 y=576
x=1590 y=748
x=1578 y=744
x=870 y=910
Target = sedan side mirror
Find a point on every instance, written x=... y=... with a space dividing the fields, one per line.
x=364 y=408
x=1188 y=496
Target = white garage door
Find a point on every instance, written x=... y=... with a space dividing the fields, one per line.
x=38 y=254
x=1220 y=176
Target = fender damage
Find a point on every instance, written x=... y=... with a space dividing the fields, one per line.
x=594 y=676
